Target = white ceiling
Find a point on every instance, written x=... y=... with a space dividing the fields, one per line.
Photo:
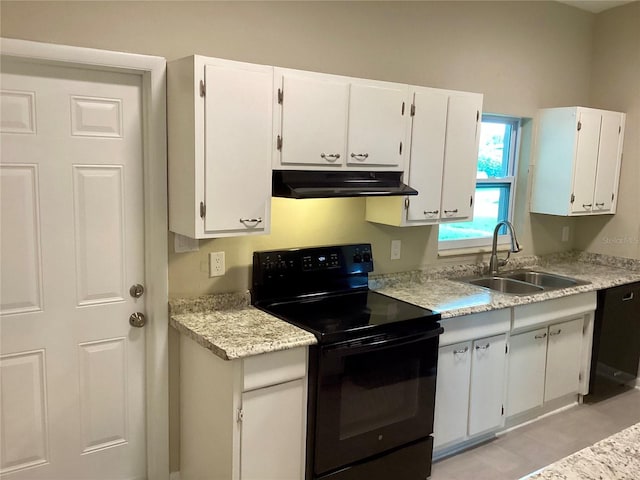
x=595 y=6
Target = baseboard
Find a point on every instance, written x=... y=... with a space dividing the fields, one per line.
x=174 y=476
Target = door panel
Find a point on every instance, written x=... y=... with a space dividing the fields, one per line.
x=608 y=170
x=586 y=162
x=71 y=245
x=563 y=359
x=525 y=383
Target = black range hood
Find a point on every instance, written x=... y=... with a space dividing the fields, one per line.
x=331 y=184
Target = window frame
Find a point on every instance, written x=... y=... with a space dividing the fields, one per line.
x=510 y=180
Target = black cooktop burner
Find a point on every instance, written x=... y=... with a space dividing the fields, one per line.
x=346 y=315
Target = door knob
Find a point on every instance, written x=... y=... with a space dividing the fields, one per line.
x=136 y=290
x=137 y=320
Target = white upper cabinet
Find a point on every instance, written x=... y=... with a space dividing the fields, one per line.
x=578 y=156
x=337 y=123
x=313 y=126
x=220 y=141
x=377 y=129
x=442 y=164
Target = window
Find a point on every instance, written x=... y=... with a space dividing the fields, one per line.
x=495 y=186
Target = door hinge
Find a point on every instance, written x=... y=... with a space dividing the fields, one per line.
x=280 y=95
x=477 y=115
x=400 y=148
x=203 y=88
x=502 y=410
x=279 y=143
x=413 y=109
x=580 y=377
x=619 y=129
x=402 y=108
x=506 y=349
x=579 y=126
x=406 y=203
x=203 y=210
x=471 y=201
x=613 y=196
x=573 y=198
x=239 y=415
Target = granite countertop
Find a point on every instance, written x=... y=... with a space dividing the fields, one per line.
x=453 y=298
x=232 y=329
x=227 y=325
x=614 y=458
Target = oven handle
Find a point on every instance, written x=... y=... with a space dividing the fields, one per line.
x=355 y=347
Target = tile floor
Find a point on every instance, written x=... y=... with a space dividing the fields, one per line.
x=531 y=447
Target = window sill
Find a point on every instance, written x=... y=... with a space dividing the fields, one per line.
x=457 y=252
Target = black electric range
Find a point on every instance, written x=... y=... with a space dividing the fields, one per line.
x=372 y=376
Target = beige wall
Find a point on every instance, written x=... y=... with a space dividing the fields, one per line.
x=521 y=55
x=615 y=85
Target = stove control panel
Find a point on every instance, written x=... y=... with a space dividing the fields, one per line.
x=312 y=264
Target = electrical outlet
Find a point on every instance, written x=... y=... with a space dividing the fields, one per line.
x=395 y=249
x=565 y=233
x=216 y=264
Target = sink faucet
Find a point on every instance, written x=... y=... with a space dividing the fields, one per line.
x=494 y=262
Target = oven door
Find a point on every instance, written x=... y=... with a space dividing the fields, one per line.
x=373 y=395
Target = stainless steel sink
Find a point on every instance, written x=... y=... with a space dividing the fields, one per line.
x=506 y=285
x=524 y=282
x=546 y=280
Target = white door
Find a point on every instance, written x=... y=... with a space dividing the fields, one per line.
x=452 y=394
x=71 y=247
x=487 y=384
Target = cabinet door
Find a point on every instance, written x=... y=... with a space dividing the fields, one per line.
x=525 y=381
x=461 y=156
x=273 y=437
x=428 y=131
x=608 y=170
x=452 y=393
x=238 y=131
x=487 y=384
x=563 y=359
x=586 y=161
x=377 y=124
x=314 y=119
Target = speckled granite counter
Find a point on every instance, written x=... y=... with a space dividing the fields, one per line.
x=454 y=298
x=614 y=458
x=229 y=327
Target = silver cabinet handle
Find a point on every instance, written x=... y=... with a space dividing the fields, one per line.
x=461 y=351
x=627 y=297
x=587 y=205
x=255 y=221
x=360 y=156
x=553 y=334
x=599 y=204
x=455 y=210
x=330 y=157
x=544 y=335
x=483 y=347
x=431 y=213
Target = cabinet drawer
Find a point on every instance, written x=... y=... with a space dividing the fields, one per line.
x=476 y=325
x=527 y=316
x=273 y=368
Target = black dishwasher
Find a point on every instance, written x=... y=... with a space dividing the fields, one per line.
x=616 y=341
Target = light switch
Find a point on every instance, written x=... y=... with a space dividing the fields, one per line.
x=395 y=249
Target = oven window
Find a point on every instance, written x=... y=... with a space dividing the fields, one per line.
x=377 y=392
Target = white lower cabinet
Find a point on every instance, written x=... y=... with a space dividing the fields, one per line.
x=563 y=359
x=470 y=381
x=486 y=397
x=271 y=447
x=242 y=419
x=549 y=353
